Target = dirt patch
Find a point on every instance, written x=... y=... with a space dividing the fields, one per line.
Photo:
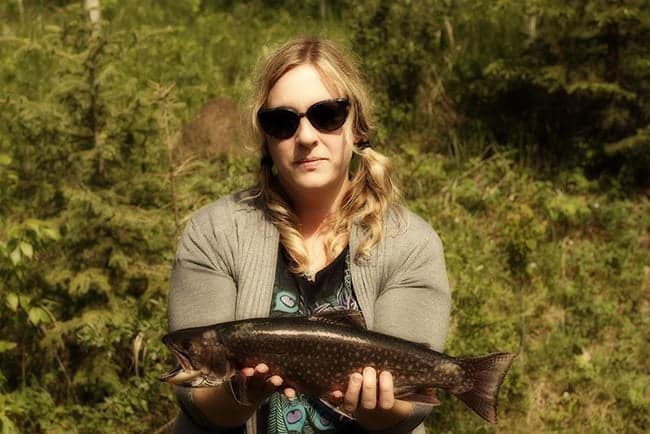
x=218 y=128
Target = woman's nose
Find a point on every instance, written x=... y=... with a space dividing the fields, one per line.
x=307 y=134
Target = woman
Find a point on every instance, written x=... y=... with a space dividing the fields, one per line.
x=322 y=231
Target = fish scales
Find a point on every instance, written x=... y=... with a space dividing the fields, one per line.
x=313 y=357
x=316 y=356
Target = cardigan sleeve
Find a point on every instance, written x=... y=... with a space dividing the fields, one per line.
x=202 y=288
x=202 y=291
x=415 y=300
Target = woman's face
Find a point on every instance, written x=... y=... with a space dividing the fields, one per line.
x=311 y=161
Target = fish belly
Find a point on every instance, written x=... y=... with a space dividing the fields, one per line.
x=321 y=363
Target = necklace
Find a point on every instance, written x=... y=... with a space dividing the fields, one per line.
x=309 y=276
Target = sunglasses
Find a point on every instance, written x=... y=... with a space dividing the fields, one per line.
x=326 y=116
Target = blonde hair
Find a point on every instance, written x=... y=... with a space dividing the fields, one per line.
x=372 y=191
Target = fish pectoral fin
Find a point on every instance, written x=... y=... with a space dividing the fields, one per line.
x=336 y=410
x=420 y=397
x=237 y=385
x=423 y=395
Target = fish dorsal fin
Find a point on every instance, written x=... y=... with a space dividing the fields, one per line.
x=348 y=318
x=423 y=345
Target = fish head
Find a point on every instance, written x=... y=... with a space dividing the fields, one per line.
x=202 y=359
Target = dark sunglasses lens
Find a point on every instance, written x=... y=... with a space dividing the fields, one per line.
x=279 y=123
x=328 y=115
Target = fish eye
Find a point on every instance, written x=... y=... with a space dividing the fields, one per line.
x=186 y=345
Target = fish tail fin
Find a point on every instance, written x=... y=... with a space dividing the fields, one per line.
x=487 y=374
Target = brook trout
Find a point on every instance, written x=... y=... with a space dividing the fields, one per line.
x=316 y=356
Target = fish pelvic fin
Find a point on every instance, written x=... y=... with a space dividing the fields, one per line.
x=425 y=395
x=336 y=410
x=486 y=374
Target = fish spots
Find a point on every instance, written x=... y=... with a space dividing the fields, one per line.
x=464 y=386
x=209 y=335
x=244 y=330
x=447 y=369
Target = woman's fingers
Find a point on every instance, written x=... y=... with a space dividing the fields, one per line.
x=369 y=389
x=351 y=397
x=290 y=393
x=257 y=381
x=274 y=381
x=366 y=390
x=386 y=392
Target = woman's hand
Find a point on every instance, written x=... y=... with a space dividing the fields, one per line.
x=236 y=403
x=254 y=384
x=371 y=400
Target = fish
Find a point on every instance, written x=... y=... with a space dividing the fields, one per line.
x=316 y=355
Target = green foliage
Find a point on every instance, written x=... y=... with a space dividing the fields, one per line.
x=564 y=82
x=83 y=274
x=396 y=42
x=556 y=270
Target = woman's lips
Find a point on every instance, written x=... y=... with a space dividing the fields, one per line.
x=308 y=162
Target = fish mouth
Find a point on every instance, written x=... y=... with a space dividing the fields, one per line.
x=190 y=378
x=184 y=373
x=182 y=358
x=183 y=377
x=172 y=373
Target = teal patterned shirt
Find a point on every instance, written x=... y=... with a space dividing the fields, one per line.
x=329 y=290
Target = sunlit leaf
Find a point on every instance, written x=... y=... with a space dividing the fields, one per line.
x=7 y=345
x=38 y=316
x=27 y=249
x=24 y=301
x=12 y=301
x=15 y=256
x=51 y=233
x=8 y=427
x=33 y=224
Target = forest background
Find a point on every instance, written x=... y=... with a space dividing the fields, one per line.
x=518 y=128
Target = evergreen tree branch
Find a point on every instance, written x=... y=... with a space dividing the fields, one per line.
x=163 y=94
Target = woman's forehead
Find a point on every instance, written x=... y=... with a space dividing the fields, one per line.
x=300 y=87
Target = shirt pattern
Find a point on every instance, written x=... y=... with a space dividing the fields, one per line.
x=330 y=290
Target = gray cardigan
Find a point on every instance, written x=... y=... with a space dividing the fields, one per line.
x=225 y=268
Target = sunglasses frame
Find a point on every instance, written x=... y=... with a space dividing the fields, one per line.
x=344 y=102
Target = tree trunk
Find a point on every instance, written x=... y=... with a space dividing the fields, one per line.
x=21 y=11
x=323 y=10
x=93 y=9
